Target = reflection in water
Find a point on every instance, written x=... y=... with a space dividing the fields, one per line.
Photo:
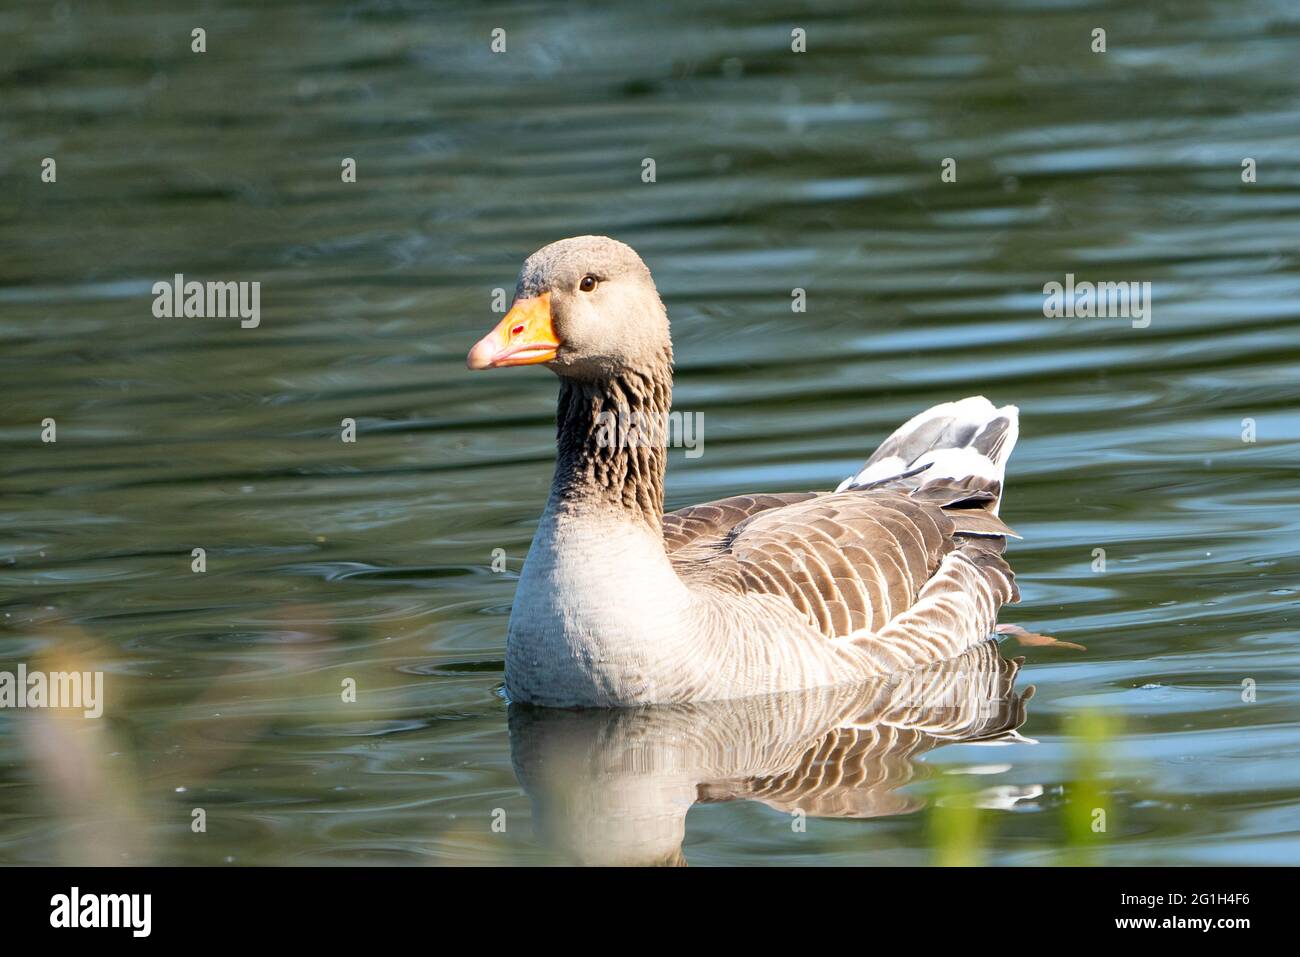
x=614 y=786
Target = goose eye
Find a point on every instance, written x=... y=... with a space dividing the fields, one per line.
x=588 y=284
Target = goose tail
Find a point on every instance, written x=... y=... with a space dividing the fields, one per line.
x=954 y=455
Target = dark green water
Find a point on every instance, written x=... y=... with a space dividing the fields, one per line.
x=371 y=561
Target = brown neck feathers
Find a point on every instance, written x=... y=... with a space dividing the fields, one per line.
x=611 y=440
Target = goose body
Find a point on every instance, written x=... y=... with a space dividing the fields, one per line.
x=619 y=604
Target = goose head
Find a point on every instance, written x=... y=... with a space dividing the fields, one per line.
x=587 y=308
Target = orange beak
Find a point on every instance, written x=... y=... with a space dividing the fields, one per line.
x=523 y=338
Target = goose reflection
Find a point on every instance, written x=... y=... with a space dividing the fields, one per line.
x=614 y=786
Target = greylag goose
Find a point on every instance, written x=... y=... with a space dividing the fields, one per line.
x=619 y=604
x=613 y=786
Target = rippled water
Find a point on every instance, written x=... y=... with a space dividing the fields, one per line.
x=372 y=561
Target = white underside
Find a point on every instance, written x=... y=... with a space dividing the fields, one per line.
x=601 y=619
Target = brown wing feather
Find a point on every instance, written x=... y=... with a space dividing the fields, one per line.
x=706 y=525
x=854 y=561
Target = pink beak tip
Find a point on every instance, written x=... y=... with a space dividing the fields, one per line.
x=480 y=357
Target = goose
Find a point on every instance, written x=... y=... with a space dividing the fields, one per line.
x=621 y=605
